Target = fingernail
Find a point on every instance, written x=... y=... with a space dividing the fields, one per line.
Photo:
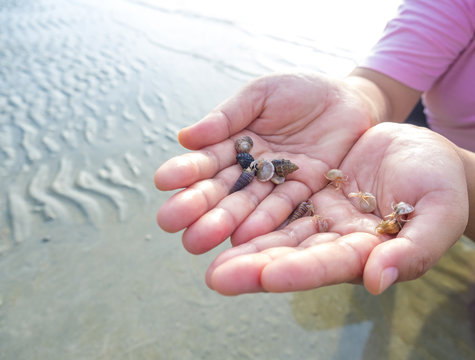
x=388 y=277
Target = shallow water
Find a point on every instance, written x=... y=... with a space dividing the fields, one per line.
x=91 y=98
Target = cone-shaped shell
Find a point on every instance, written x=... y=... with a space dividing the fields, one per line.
x=243 y=144
x=305 y=208
x=284 y=167
x=244 y=179
x=264 y=170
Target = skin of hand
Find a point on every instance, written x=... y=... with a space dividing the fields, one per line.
x=313 y=121
x=299 y=117
x=395 y=162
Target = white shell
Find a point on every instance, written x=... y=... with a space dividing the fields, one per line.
x=366 y=201
x=265 y=170
x=402 y=208
x=334 y=174
x=277 y=179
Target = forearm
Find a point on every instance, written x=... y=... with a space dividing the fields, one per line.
x=468 y=159
x=389 y=100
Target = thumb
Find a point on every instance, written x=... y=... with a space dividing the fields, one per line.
x=439 y=221
x=228 y=118
x=398 y=259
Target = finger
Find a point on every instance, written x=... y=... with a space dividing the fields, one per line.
x=292 y=269
x=184 y=170
x=185 y=207
x=220 y=222
x=290 y=236
x=330 y=263
x=268 y=245
x=227 y=119
x=271 y=212
x=242 y=274
x=419 y=245
x=275 y=209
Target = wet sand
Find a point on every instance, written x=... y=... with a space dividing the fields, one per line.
x=91 y=98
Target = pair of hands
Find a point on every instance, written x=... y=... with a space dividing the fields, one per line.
x=318 y=123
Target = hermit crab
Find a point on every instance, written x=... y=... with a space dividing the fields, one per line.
x=396 y=219
x=305 y=208
x=321 y=223
x=282 y=168
x=389 y=227
x=366 y=201
x=264 y=170
x=336 y=177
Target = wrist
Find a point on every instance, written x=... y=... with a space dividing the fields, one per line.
x=372 y=97
x=390 y=99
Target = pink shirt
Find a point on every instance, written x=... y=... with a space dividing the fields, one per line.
x=430 y=46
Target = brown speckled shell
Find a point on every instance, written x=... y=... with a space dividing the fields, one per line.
x=243 y=144
x=284 y=167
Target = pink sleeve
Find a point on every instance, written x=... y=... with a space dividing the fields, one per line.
x=420 y=44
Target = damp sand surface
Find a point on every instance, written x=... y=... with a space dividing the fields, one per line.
x=92 y=95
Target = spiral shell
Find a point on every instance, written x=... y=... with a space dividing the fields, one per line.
x=244 y=179
x=402 y=208
x=334 y=174
x=264 y=169
x=284 y=167
x=244 y=159
x=305 y=208
x=243 y=144
x=390 y=227
x=336 y=177
x=366 y=201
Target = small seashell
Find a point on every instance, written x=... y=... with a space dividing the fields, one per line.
x=336 y=177
x=305 y=208
x=244 y=159
x=264 y=169
x=390 y=227
x=366 y=201
x=402 y=208
x=277 y=179
x=321 y=223
x=284 y=167
x=244 y=179
x=243 y=144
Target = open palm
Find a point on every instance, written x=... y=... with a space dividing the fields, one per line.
x=297 y=117
x=318 y=124
x=395 y=163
